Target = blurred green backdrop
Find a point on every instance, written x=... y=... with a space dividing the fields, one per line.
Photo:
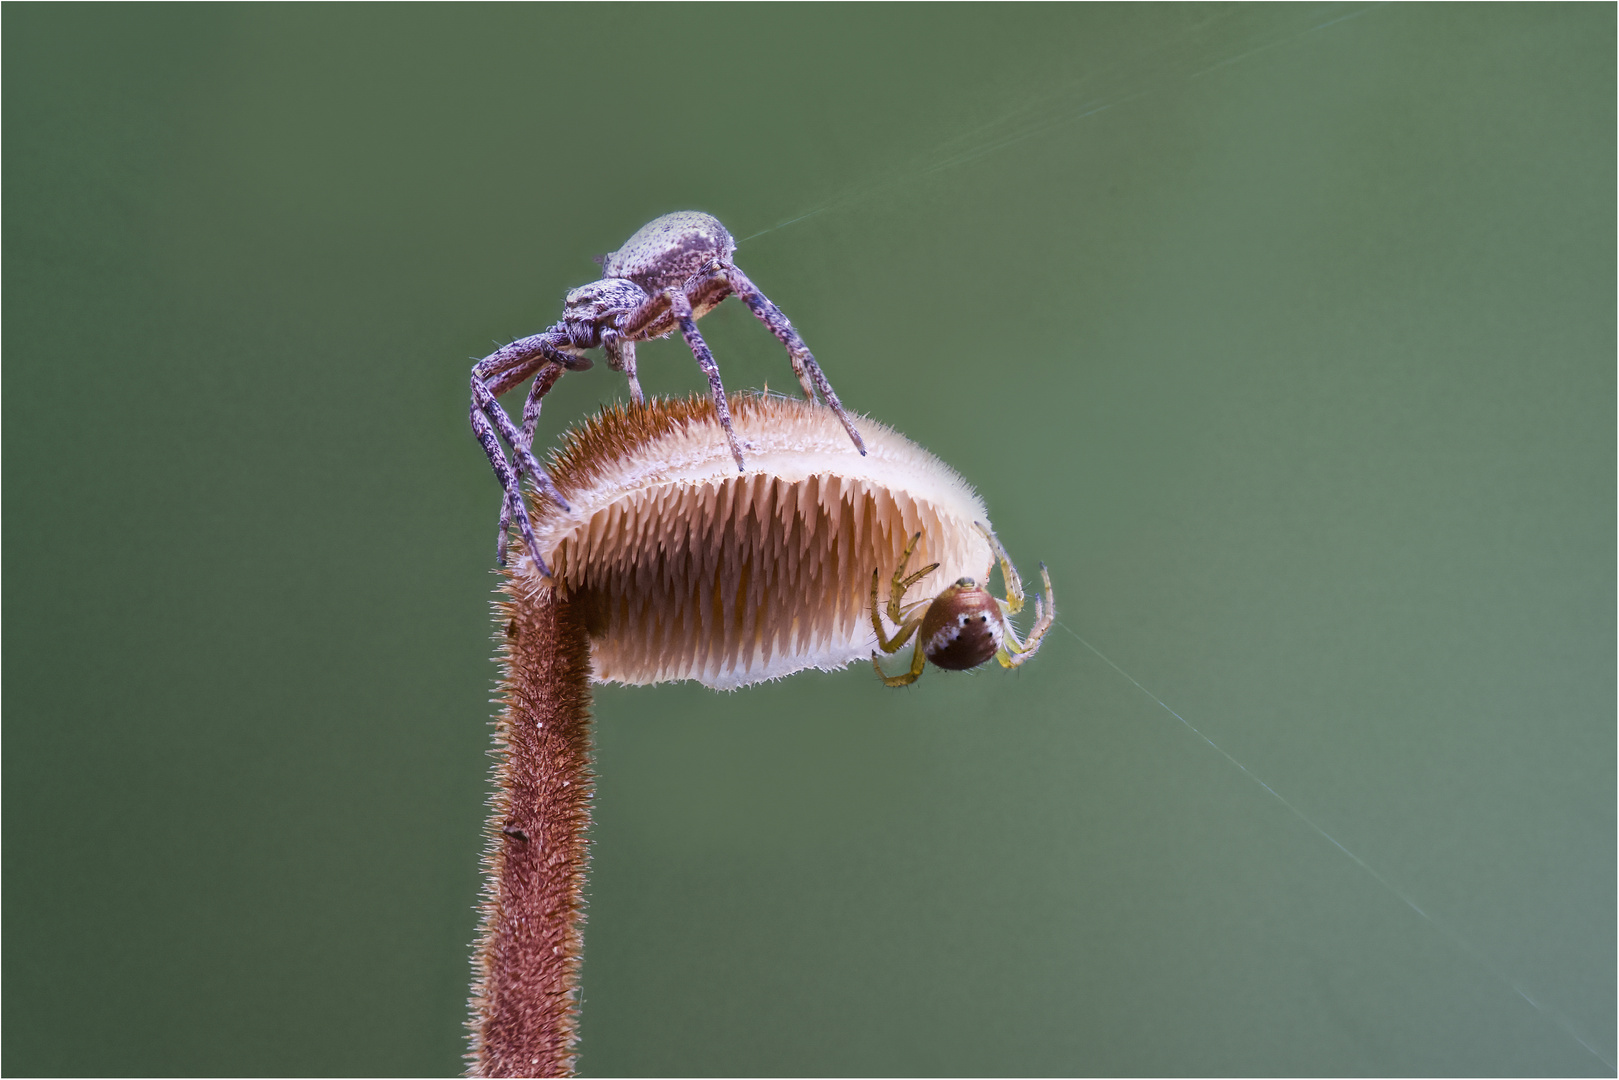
x=1284 y=335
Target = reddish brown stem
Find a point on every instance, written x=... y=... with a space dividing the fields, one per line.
x=525 y=1012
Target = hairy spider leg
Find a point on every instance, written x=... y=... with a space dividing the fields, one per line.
x=526 y=352
x=504 y=529
x=897 y=642
x=511 y=486
x=653 y=319
x=896 y=612
x=544 y=379
x=803 y=361
x=901 y=583
x=1013 y=652
x=919 y=661
x=505 y=368
x=510 y=365
x=707 y=288
x=1009 y=575
x=484 y=399
x=508 y=480
x=621 y=357
x=705 y=360
x=1045 y=614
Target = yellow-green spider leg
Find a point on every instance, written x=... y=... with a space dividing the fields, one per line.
x=896 y=599
x=1014 y=652
x=918 y=662
x=1009 y=575
x=907 y=627
x=896 y=614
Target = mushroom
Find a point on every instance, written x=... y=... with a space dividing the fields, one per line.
x=669 y=564
x=684 y=568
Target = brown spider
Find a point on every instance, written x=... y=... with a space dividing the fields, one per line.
x=671 y=273
x=964 y=625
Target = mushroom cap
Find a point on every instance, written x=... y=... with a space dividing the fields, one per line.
x=685 y=568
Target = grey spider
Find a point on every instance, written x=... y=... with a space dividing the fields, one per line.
x=671 y=273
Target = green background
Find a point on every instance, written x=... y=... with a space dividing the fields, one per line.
x=1284 y=335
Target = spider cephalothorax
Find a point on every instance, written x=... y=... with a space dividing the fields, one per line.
x=964 y=625
x=668 y=275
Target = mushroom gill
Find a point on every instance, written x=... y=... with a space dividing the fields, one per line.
x=681 y=567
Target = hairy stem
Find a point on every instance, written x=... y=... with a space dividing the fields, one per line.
x=525 y=1012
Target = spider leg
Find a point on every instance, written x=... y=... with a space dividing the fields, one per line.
x=650 y=320
x=808 y=371
x=483 y=400
x=900 y=588
x=502 y=384
x=905 y=556
x=661 y=314
x=707 y=289
x=1014 y=652
x=621 y=357
x=524 y=352
x=511 y=364
x=1014 y=584
x=906 y=628
x=705 y=360
x=494 y=375
x=505 y=381
x=508 y=480
x=896 y=599
x=504 y=530
x=546 y=378
x=918 y=662
x=654 y=318
x=543 y=381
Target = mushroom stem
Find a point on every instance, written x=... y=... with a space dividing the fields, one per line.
x=525 y=1011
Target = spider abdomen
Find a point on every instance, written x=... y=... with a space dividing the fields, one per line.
x=962 y=628
x=665 y=252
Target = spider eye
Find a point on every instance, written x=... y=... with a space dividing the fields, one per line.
x=966 y=583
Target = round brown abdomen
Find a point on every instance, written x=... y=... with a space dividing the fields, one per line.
x=962 y=628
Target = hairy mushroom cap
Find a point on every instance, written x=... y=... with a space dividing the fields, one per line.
x=684 y=568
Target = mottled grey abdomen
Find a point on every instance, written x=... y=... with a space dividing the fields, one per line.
x=666 y=251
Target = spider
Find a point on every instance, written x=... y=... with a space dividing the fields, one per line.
x=964 y=625
x=671 y=273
